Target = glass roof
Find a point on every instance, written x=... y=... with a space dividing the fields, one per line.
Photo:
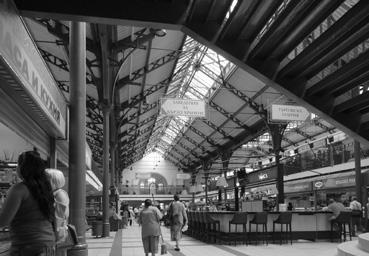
x=194 y=77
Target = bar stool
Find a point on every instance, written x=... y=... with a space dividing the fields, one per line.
x=203 y=228
x=212 y=227
x=239 y=218
x=197 y=227
x=284 y=218
x=190 y=222
x=260 y=218
x=343 y=219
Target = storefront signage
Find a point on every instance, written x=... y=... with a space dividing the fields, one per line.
x=343 y=181
x=297 y=187
x=262 y=175
x=318 y=184
x=20 y=53
x=183 y=107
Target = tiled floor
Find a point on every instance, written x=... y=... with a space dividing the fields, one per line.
x=132 y=246
x=100 y=246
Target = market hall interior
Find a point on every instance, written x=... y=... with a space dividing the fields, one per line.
x=240 y=106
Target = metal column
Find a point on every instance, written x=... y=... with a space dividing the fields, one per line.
x=357 y=156
x=106 y=179
x=276 y=131
x=77 y=131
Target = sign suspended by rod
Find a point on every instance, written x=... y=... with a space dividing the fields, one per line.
x=288 y=113
x=182 y=107
x=183 y=176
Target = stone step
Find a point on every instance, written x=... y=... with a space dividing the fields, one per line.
x=364 y=242
x=350 y=248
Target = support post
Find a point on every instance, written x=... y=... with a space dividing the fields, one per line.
x=276 y=131
x=358 y=178
x=77 y=139
x=225 y=162
x=236 y=199
x=106 y=180
x=206 y=167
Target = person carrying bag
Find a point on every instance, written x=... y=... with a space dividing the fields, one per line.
x=66 y=235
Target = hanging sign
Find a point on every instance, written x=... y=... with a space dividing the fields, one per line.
x=182 y=107
x=183 y=176
x=288 y=113
x=143 y=176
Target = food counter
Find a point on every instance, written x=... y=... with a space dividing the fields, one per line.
x=308 y=225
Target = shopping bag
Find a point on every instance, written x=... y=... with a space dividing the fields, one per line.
x=163 y=246
x=71 y=238
x=185 y=228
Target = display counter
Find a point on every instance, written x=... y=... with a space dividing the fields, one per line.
x=308 y=225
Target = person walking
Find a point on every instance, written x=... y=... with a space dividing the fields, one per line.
x=178 y=218
x=355 y=207
x=131 y=215
x=29 y=209
x=61 y=197
x=149 y=219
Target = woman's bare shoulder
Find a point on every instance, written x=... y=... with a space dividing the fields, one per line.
x=18 y=190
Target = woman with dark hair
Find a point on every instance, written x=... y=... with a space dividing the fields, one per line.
x=149 y=219
x=29 y=209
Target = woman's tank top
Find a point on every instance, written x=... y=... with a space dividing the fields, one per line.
x=29 y=225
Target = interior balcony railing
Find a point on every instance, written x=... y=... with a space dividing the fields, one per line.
x=149 y=190
x=321 y=157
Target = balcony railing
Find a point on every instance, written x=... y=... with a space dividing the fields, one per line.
x=148 y=190
x=321 y=157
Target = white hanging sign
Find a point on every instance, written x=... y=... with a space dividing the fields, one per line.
x=288 y=113
x=183 y=176
x=182 y=107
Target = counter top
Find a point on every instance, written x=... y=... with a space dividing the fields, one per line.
x=274 y=212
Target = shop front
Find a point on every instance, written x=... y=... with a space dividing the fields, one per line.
x=339 y=186
x=299 y=194
x=32 y=106
x=314 y=193
x=260 y=190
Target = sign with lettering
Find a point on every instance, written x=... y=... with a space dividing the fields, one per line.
x=288 y=113
x=183 y=107
x=20 y=54
x=297 y=187
x=263 y=175
x=319 y=184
